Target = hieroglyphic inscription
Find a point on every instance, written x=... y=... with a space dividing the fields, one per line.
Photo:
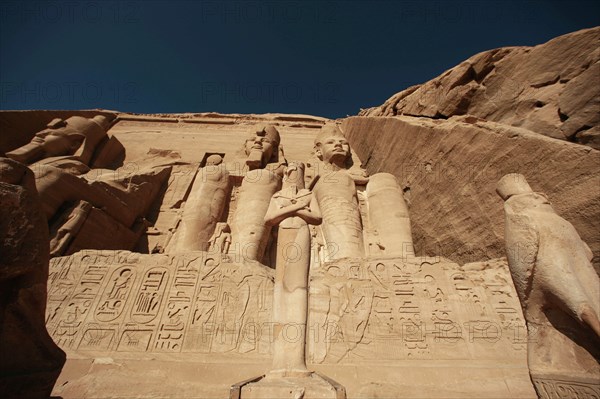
x=149 y=296
x=422 y=308
x=565 y=389
x=127 y=302
x=172 y=327
x=76 y=307
x=378 y=309
x=116 y=293
x=205 y=303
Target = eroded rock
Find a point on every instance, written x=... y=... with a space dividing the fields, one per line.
x=550 y=89
x=30 y=362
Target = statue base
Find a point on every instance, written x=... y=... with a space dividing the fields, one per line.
x=311 y=386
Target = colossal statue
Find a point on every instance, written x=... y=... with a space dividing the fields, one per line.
x=558 y=288
x=249 y=232
x=289 y=209
x=388 y=216
x=60 y=157
x=265 y=161
x=336 y=193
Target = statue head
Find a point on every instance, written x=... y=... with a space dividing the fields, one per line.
x=331 y=146
x=262 y=146
x=74 y=136
x=512 y=184
x=214 y=160
x=294 y=175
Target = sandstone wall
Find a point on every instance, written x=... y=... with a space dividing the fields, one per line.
x=449 y=170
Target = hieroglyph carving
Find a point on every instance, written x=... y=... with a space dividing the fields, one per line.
x=127 y=302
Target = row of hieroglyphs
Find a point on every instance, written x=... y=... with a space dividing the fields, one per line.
x=390 y=309
x=375 y=309
x=129 y=302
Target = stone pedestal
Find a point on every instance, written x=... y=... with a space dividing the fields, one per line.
x=312 y=386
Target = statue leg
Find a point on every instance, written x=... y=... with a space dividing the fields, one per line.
x=291 y=295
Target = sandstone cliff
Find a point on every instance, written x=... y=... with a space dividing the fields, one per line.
x=551 y=89
x=448 y=170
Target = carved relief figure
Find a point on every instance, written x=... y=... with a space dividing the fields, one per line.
x=221 y=239
x=293 y=208
x=557 y=285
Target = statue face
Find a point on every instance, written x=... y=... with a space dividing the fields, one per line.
x=294 y=174
x=58 y=144
x=334 y=149
x=262 y=144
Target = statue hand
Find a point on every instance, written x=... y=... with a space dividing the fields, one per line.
x=303 y=202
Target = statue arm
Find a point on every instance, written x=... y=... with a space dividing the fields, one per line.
x=359 y=176
x=56 y=187
x=312 y=216
x=276 y=215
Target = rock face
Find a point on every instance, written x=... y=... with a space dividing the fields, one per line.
x=551 y=89
x=30 y=361
x=448 y=170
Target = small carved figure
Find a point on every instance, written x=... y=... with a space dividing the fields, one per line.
x=221 y=240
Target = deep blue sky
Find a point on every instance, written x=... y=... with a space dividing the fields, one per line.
x=321 y=58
